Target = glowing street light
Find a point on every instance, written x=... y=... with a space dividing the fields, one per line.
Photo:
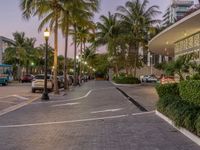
x=45 y=93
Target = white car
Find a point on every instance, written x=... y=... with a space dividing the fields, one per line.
x=38 y=83
x=149 y=78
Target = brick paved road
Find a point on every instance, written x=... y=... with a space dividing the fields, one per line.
x=101 y=119
x=15 y=94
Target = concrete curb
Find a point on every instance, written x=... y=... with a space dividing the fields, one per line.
x=125 y=85
x=15 y=107
x=184 y=131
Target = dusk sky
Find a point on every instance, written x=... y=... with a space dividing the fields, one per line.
x=12 y=21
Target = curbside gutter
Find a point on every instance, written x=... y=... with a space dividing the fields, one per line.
x=184 y=131
x=140 y=107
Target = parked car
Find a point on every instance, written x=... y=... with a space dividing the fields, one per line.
x=38 y=83
x=149 y=78
x=27 y=78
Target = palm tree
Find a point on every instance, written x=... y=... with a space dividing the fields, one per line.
x=81 y=14
x=108 y=32
x=20 y=54
x=75 y=12
x=137 y=18
x=40 y=56
x=50 y=11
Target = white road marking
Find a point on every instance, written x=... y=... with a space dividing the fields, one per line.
x=67 y=104
x=17 y=96
x=73 y=121
x=6 y=97
x=7 y=102
x=21 y=97
x=15 y=107
x=62 y=122
x=73 y=99
x=143 y=113
x=108 y=110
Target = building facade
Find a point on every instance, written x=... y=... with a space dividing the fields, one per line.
x=181 y=38
x=177 y=10
x=4 y=43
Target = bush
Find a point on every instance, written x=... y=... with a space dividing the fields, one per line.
x=167 y=89
x=126 y=80
x=190 y=91
x=196 y=77
x=166 y=101
x=182 y=113
x=198 y=125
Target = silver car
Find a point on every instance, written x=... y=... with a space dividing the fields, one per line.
x=38 y=83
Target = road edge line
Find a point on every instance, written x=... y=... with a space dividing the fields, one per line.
x=184 y=131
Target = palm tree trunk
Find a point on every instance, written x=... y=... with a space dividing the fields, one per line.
x=81 y=57
x=75 y=50
x=135 y=60
x=66 y=86
x=56 y=91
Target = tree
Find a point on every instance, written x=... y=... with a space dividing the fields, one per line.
x=137 y=19
x=108 y=32
x=179 y=66
x=49 y=12
x=21 y=54
x=81 y=13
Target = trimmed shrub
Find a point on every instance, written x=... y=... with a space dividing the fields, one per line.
x=167 y=89
x=182 y=113
x=198 y=125
x=165 y=101
x=126 y=80
x=190 y=118
x=196 y=77
x=190 y=91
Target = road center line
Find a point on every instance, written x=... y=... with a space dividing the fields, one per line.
x=67 y=104
x=108 y=110
x=74 y=121
x=63 y=122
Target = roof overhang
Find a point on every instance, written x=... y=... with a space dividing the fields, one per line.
x=163 y=43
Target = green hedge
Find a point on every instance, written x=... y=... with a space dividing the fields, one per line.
x=196 y=77
x=182 y=113
x=126 y=80
x=167 y=89
x=190 y=91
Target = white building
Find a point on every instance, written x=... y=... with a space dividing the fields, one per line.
x=177 y=10
x=4 y=43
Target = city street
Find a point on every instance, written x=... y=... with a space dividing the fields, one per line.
x=95 y=116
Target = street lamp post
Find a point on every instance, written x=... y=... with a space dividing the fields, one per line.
x=45 y=93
